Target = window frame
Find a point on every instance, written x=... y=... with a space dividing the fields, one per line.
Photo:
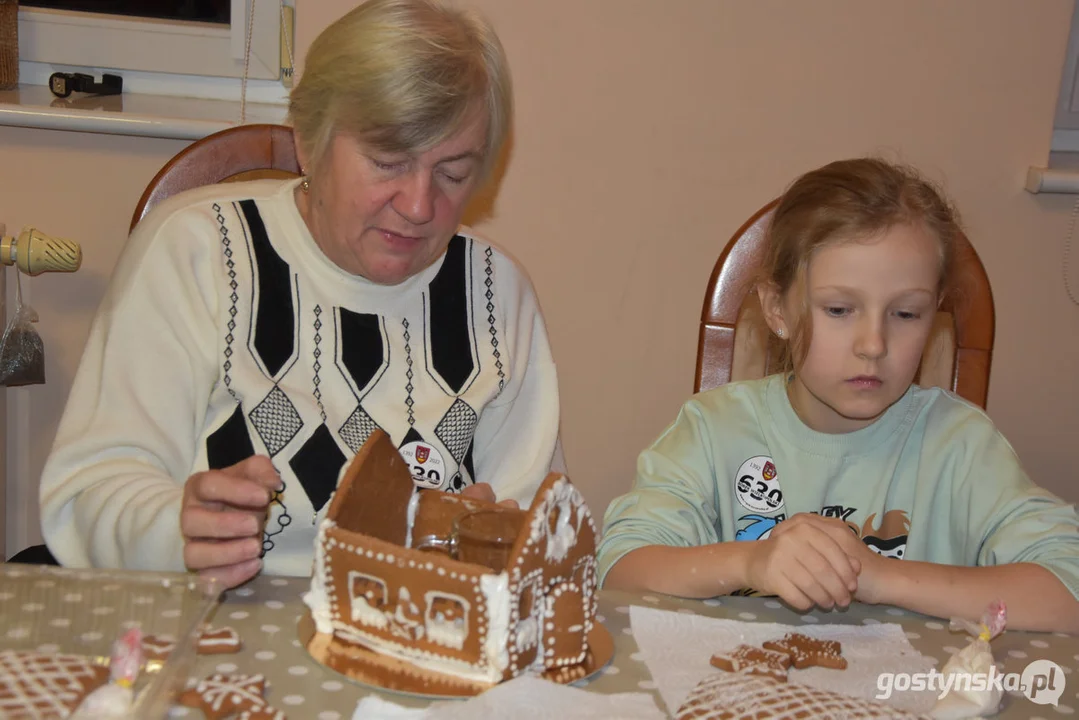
x=144 y=45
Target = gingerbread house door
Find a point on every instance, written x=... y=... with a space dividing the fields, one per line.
x=564 y=644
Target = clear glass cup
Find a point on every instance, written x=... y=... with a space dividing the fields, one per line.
x=484 y=537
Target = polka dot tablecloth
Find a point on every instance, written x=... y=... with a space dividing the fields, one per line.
x=266 y=611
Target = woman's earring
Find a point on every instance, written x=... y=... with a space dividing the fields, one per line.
x=305 y=184
x=781 y=333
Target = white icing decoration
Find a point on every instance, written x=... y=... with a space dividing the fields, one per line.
x=367 y=597
x=527 y=633
x=225 y=640
x=413 y=505
x=448 y=631
x=316 y=598
x=495 y=589
x=419 y=658
x=407 y=620
x=561 y=540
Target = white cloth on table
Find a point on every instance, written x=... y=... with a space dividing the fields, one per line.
x=523 y=698
x=677 y=648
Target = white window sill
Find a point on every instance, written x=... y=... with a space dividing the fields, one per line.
x=160 y=116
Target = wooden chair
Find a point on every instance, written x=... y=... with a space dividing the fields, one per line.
x=735 y=344
x=244 y=152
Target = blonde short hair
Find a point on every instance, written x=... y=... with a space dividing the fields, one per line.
x=402 y=76
x=849 y=201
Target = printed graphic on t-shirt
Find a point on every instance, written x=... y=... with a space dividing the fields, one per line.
x=759 y=527
x=890 y=539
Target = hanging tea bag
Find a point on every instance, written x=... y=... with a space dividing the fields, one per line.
x=22 y=354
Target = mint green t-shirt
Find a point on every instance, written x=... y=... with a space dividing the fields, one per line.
x=931 y=480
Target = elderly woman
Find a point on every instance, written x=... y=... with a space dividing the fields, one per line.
x=255 y=334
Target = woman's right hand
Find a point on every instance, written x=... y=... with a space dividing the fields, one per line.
x=807 y=560
x=222 y=518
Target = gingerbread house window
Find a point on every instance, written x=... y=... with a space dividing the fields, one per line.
x=368 y=598
x=561 y=530
x=446 y=619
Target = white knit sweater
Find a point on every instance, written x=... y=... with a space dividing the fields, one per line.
x=225 y=332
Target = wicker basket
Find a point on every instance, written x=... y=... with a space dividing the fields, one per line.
x=9 y=44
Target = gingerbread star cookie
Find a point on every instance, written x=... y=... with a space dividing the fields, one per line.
x=750 y=660
x=806 y=652
x=220 y=695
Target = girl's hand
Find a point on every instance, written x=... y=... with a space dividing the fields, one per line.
x=222 y=517
x=807 y=560
x=874 y=576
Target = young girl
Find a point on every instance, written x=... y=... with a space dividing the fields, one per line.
x=842 y=480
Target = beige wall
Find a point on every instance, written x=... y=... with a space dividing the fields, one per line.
x=647 y=131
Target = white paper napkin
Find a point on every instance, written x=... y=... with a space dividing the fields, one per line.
x=677 y=648
x=523 y=698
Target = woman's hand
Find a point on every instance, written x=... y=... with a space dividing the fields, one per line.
x=222 y=518
x=807 y=560
x=484 y=491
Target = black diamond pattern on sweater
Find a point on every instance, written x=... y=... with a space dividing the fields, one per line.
x=451 y=347
x=230 y=443
x=362 y=351
x=275 y=323
x=317 y=465
x=456 y=427
x=276 y=420
x=357 y=429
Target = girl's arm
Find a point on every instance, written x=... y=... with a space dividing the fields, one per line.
x=1007 y=538
x=693 y=572
x=1035 y=598
x=809 y=562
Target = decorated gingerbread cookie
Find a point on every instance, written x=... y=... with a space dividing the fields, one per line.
x=729 y=696
x=751 y=660
x=157 y=647
x=219 y=641
x=220 y=696
x=806 y=652
x=36 y=684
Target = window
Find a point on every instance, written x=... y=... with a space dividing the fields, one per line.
x=161 y=54
x=216 y=11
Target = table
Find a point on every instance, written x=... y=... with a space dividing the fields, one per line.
x=266 y=610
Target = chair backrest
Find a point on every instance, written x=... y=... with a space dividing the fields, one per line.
x=735 y=344
x=244 y=152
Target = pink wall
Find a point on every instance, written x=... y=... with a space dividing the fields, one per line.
x=646 y=133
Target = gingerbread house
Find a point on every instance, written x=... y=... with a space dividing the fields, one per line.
x=372 y=589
